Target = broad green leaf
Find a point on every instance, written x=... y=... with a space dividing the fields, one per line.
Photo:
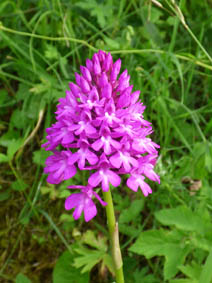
x=5 y=195
x=108 y=261
x=63 y=194
x=143 y=276
x=14 y=145
x=18 y=119
x=66 y=217
x=183 y=218
x=88 y=258
x=160 y=243
x=87 y=5
x=51 y=52
x=150 y=243
x=3 y=96
x=132 y=212
x=19 y=185
x=89 y=238
x=21 y=278
x=23 y=92
x=3 y=158
x=171 y=20
x=174 y=256
x=6 y=138
x=65 y=272
x=200 y=162
x=206 y=274
x=155 y=15
x=111 y=43
x=153 y=32
x=183 y=281
x=192 y=271
x=100 y=14
x=40 y=156
x=208 y=156
x=133 y=231
x=201 y=242
x=51 y=190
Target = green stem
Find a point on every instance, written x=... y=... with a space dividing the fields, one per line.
x=114 y=237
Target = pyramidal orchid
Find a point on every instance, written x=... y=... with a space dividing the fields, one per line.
x=100 y=127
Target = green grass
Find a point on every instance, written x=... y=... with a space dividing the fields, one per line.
x=166 y=47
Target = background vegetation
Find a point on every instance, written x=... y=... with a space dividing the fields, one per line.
x=166 y=237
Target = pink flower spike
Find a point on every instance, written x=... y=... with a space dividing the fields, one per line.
x=100 y=127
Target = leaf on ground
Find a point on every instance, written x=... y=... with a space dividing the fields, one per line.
x=90 y=239
x=88 y=258
x=161 y=243
x=108 y=261
x=19 y=185
x=65 y=272
x=13 y=147
x=21 y=278
x=183 y=218
x=51 y=52
x=3 y=158
x=3 y=96
x=206 y=274
x=18 y=119
x=174 y=256
x=192 y=271
x=132 y=212
x=150 y=243
x=5 y=195
x=39 y=156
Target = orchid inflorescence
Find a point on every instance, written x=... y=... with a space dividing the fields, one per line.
x=100 y=127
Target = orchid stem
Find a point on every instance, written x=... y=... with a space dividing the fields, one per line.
x=114 y=237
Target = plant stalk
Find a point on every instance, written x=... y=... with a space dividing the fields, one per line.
x=114 y=237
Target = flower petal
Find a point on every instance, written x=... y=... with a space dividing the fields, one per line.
x=132 y=184
x=90 y=210
x=95 y=179
x=114 y=178
x=73 y=200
